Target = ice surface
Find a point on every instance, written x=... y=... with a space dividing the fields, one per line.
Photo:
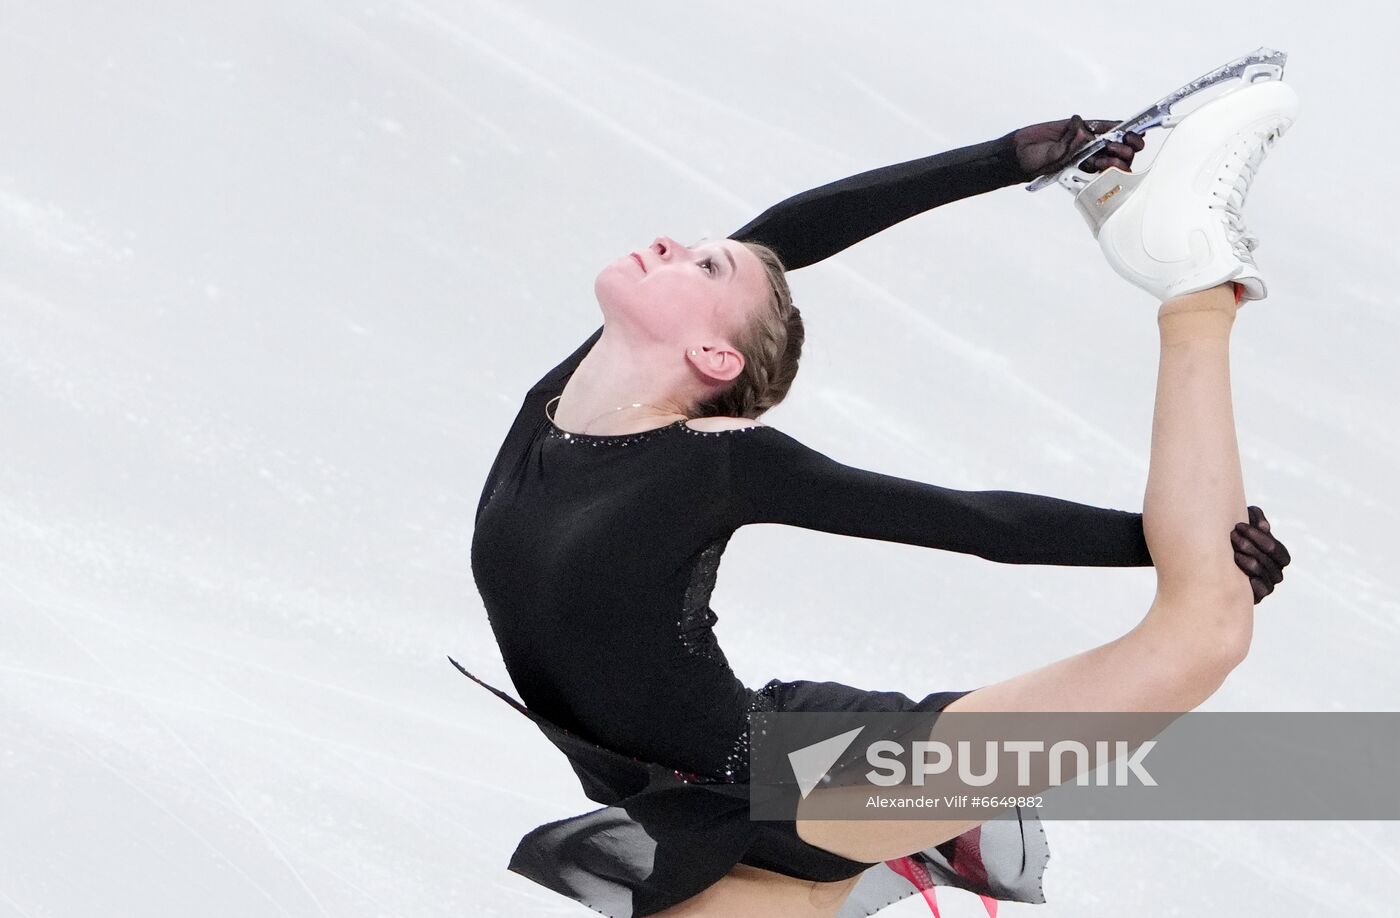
x=274 y=276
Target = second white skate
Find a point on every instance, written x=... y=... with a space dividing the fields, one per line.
x=1178 y=227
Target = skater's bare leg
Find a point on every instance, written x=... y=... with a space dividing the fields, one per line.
x=748 y=892
x=1200 y=623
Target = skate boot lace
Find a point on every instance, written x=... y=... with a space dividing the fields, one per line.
x=1240 y=165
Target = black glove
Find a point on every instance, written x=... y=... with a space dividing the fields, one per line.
x=1049 y=146
x=1259 y=554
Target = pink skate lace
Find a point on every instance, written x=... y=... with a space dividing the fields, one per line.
x=966 y=861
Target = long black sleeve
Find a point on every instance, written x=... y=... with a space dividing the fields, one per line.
x=777 y=479
x=774 y=478
x=816 y=224
x=806 y=228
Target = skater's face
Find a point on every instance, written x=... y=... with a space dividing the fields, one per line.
x=686 y=296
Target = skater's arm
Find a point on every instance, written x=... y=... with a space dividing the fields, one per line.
x=776 y=479
x=816 y=224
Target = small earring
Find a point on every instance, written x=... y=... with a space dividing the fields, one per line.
x=692 y=353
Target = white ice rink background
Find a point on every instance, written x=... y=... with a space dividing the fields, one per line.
x=274 y=277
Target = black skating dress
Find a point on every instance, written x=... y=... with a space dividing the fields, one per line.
x=596 y=557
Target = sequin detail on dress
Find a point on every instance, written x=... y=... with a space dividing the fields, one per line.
x=697 y=619
x=554 y=432
x=736 y=763
x=685 y=426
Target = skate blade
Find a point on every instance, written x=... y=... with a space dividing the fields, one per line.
x=1255 y=67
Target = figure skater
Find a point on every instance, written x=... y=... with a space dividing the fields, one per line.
x=630 y=465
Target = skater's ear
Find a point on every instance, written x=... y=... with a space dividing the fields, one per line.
x=771 y=344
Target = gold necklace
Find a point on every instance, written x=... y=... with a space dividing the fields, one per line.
x=604 y=414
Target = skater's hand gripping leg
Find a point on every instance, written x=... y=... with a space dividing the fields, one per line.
x=1259 y=554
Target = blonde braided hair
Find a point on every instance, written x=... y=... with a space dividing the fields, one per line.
x=771 y=344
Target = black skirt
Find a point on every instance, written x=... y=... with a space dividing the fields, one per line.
x=664 y=836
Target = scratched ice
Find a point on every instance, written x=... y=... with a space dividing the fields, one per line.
x=273 y=279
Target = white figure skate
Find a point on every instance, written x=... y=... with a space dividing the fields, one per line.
x=1260 y=64
x=1179 y=226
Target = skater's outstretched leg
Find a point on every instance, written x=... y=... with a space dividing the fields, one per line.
x=1201 y=620
x=1200 y=623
